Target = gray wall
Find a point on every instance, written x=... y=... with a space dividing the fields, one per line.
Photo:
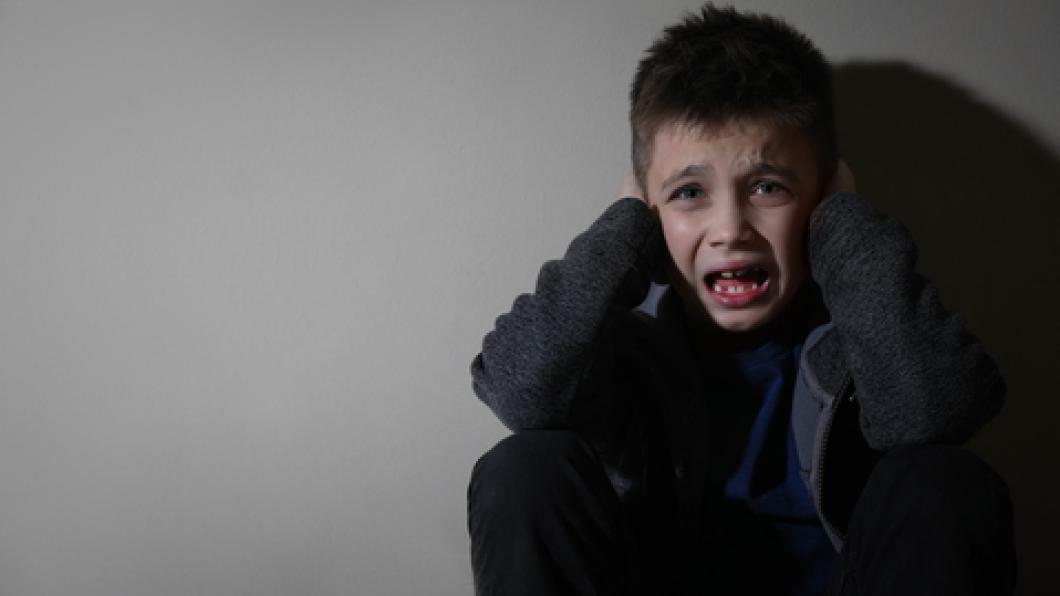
x=248 y=249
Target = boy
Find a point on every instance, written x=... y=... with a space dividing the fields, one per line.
x=777 y=424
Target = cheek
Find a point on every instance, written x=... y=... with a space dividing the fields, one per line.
x=789 y=247
x=681 y=240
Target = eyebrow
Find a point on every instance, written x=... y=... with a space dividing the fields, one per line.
x=765 y=167
x=687 y=171
x=761 y=167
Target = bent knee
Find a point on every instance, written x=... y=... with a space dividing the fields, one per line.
x=529 y=466
x=530 y=457
x=943 y=478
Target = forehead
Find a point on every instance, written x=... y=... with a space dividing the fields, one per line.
x=731 y=145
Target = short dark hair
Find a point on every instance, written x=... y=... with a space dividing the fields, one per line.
x=719 y=65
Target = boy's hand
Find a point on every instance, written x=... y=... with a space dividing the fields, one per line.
x=842 y=180
x=631 y=188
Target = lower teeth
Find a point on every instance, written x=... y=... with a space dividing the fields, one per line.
x=735 y=289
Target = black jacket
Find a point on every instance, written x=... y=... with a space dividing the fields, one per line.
x=892 y=367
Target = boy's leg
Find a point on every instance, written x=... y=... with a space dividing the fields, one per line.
x=544 y=519
x=931 y=520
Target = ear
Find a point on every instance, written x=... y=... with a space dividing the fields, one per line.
x=631 y=188
x=842 y=180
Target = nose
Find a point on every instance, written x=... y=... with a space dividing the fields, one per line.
x=729 y=225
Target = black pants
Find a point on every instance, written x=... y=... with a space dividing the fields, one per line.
x=544 y=520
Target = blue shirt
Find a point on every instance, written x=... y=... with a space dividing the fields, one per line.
x=767 y=536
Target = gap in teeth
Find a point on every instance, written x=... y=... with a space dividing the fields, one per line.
x=736 y=289
x=753 y=272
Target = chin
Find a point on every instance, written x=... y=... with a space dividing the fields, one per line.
x=739 y=322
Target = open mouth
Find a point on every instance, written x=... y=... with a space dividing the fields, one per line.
x=737 y=287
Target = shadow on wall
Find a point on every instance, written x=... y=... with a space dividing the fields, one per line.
x=981 y=196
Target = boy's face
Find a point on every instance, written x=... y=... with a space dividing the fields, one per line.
x=734 y=201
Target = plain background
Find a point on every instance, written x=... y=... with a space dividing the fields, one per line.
x=249 y=249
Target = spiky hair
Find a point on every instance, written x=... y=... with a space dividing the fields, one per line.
x=719 y=65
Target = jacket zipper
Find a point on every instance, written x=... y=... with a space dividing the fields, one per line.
x=840 y=396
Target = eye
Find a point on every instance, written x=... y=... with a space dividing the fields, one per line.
x=768 y=187
x=770 y=192
x=689 y=192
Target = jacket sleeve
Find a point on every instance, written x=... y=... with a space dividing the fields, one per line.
x=541 y=357
x=919 y=375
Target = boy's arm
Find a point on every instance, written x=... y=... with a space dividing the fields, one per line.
x=919 y=375
x=542 y=353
